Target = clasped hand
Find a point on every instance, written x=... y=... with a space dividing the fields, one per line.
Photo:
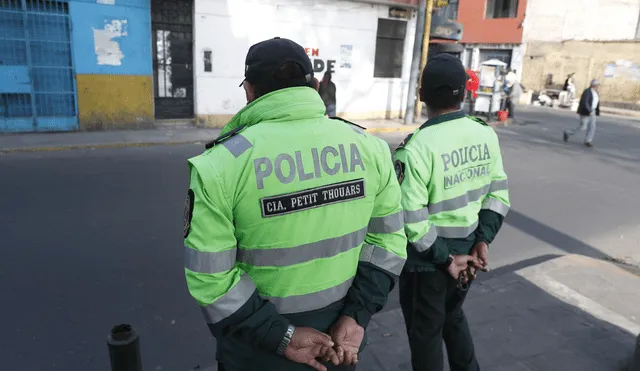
x=341 y=346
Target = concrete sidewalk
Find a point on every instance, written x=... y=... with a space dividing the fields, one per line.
x=620 y=112
x=162 y=135
x=569 y=313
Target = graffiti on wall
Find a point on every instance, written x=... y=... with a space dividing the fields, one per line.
x=319 y=64
x=106 y=43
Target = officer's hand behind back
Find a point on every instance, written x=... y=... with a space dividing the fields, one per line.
x=481 y=251
x=461 y=263
x=306 y=345
x=348 y=336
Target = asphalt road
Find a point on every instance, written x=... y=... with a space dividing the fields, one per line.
x=92 y=238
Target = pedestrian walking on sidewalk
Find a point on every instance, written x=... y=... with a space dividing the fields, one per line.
x=455 y=197
x=293 y=225
x=514 y=92
x=570 y=86
x=588 y=109
x=328 y=94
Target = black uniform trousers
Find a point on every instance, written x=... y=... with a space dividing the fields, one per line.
x=432 y=308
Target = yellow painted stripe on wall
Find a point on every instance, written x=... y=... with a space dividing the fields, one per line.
x=114 y=101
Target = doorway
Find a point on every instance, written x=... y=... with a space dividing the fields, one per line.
x=172 y=34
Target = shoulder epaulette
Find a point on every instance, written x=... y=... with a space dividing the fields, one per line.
x=405 y=141
x=478 y=120
x=348 y=122
x=224 y=137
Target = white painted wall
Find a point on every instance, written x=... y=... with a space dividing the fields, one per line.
x=517 y=59
x=229 y=27
x=558 y=20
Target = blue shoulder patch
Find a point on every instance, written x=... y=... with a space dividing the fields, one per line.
x=224 y=137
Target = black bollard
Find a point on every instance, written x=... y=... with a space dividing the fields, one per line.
x=124 y=349
x=635 y=362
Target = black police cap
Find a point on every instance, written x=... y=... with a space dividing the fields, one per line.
x=266 y=57
x=443 y=70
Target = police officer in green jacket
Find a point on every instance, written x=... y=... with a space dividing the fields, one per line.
x=293 y=227
x=455 y=197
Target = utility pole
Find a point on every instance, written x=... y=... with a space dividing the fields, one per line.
x=415 y=64
x=420 y=51
x=425 y=52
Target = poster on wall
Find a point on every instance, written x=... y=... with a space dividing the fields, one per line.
x=623 y=69
x=635 y=72
x=106 y=42
x=346 y=56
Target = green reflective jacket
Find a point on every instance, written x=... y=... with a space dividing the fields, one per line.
x=450 y=170
x=290 y=212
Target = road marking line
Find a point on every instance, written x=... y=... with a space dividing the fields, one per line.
x=574 y=298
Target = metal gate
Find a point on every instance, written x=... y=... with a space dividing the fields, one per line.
x=172 y=33
x=37 y=79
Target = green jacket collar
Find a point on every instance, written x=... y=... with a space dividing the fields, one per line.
x=449 y=116
x=281 y=105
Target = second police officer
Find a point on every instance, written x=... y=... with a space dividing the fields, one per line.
x=293 y=225
x=455 y=197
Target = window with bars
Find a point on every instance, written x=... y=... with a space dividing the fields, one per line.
x=389 y=48
x=501 y=9
x=450 y=11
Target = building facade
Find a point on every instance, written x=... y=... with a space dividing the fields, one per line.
x=595 y=39
x=65 y=65
x=104 y=64
x=367 y=49
x=493 y=29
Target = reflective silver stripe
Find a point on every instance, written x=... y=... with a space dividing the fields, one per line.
x=495 y=205
x=424 y=243
x=282 y=257
x=460 y=201
x=499 y=185
x=237 y=145
x=382 y=258
x=472 y=195
x=416 y=216
x=313 y=301
x=386 y=224
x=230 y=302
x=209 y=262
x=457 y=232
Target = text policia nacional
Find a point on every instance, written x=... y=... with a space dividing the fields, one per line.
x=462 y=156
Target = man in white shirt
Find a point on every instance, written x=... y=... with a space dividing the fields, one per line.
x=588 y=109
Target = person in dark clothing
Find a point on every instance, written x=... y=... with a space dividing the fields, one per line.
x=513 y=96
x=569 y=86
x=448 y=234
x=588 y=109
x=328 y=94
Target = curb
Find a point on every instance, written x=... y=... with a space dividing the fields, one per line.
x=400 y=129
x=376 y=130
x=632 y=114
x=96 y=146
